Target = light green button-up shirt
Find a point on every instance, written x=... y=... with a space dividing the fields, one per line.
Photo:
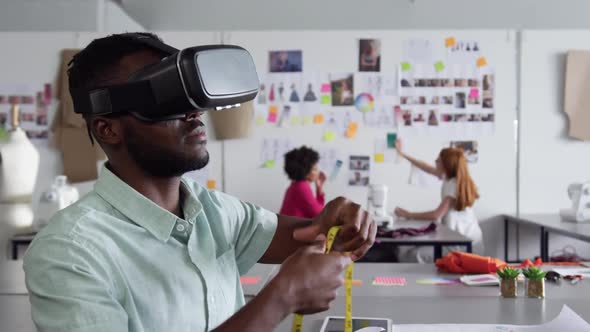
x=115 y=261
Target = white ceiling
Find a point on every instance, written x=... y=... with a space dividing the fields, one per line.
x=357 y=14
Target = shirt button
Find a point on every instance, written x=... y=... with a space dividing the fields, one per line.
x=180 y=228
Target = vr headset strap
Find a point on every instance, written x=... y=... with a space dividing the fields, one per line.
x=126 y=97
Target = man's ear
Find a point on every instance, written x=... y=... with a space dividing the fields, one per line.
x=107 y=130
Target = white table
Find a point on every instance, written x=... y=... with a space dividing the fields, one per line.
x=547 y=223
x=432 y=304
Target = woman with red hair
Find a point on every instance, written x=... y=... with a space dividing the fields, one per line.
x=458 y=195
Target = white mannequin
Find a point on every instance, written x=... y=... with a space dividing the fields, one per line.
x=19 y=164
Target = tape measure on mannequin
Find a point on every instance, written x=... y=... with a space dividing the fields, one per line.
x=298 y=319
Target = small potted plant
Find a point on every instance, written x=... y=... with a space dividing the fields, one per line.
x=508 y=282
x=535 y=282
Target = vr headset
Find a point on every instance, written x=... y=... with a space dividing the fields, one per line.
x=212 y=77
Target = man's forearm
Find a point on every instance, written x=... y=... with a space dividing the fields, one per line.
x=283 y=244
x=263 y=313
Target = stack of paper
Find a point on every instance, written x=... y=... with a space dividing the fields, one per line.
x=567 y=320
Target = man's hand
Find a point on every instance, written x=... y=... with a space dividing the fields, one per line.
x=358 y=231
x=308 y=279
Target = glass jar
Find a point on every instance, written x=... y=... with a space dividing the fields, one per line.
x=508 y=288
x=535 y=288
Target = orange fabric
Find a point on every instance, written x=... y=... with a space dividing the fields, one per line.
x=463 y=262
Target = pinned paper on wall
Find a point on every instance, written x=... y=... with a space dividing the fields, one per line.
x=360 y=167
x=326 y=100
x=259 y=120
x=211 y=184
x=36 y=106
x=336 y=170
x=450 y=42
x=482 y=62
x=328 y=158
x=391 y=139
x=273 y=151
x=382 y=153
x=406 y=66
x=326 y=88
x=307 y=120
x=374 y=88
x=439 y=66
x=474 y=93
x=419 y=50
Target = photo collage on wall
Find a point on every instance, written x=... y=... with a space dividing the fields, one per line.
x=450 y=99
x=35 y=103
x=290 y=97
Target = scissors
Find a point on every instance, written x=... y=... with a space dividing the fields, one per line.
x=574 y=278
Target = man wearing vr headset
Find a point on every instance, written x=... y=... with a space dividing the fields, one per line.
x=148 y=250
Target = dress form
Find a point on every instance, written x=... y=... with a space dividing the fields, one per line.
x=19 y=166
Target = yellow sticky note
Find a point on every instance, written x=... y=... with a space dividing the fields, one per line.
x=307 y=120
x=353 y=126
x=406 y=66
x=450 y=42
x=326 y=99
x=379 y=157
x=318 y=119
x=259 y=120
x=211 y=184
x=482 y=62
x=273 y=109
x=329 y=136
x=269 y=164
x=295 y=120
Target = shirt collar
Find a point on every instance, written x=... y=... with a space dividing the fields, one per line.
x=140 y=209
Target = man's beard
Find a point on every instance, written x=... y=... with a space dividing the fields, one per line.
x=163 y=163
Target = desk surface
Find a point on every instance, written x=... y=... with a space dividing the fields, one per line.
x=554 y=223
x=442 y=235
x=412 y=303
x=437 y=304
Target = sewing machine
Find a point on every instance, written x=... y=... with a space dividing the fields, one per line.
x=579 y=193
x=377 y=205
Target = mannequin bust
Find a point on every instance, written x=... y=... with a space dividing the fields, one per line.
x=19 y=163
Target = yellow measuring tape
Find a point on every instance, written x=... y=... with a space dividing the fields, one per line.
x=298 y=319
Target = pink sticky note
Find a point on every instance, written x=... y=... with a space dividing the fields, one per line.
x=272 y=117
x=474 y=93
x=247 y=280
x=326 y=88
x=389 y=281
